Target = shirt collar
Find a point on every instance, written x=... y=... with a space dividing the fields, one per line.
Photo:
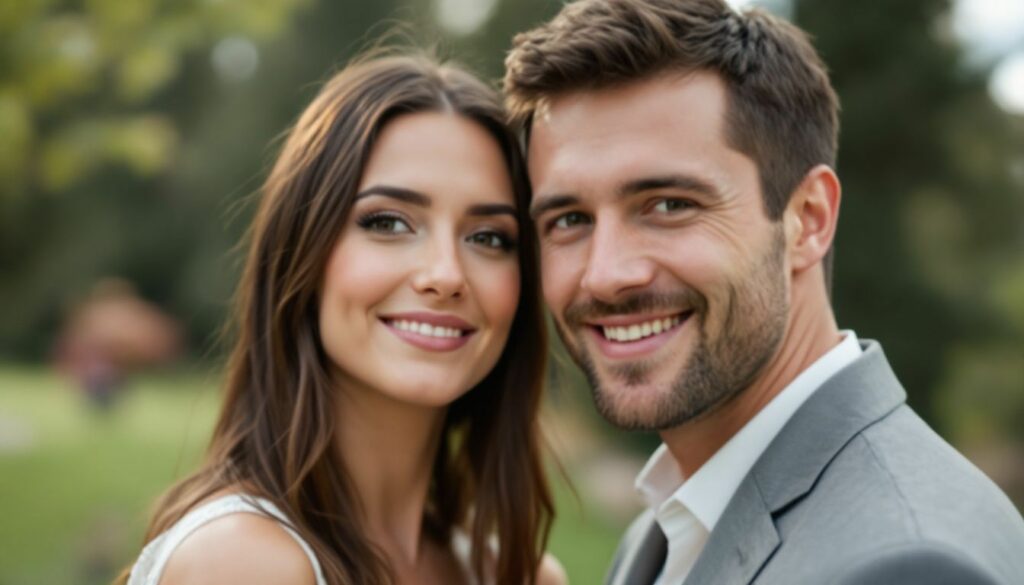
x=707 y=492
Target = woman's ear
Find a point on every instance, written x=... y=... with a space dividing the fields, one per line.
x=810 y=217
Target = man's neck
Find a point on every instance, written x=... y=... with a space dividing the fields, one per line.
x=810 y=334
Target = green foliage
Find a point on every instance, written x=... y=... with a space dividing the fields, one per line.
x=930 y=231
x=77 y=81
x=981 y=400
x=95 y=98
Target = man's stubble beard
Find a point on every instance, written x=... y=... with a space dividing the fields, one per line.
x=717 y=370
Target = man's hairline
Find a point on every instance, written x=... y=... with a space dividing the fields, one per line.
x=544 y=101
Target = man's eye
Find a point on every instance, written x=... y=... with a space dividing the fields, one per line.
x=569 y=220
x=384 y=223
x=493 y=240
x=671 y=205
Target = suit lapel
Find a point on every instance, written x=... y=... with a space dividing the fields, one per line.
x=642 y=563
x=857 y=396
x=745 y=536
x=742 y=541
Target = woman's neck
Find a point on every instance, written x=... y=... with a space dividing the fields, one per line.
x=389 y=448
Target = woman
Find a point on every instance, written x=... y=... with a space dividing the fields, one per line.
x=380 y=417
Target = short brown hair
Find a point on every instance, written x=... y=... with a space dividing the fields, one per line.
x=782 y=110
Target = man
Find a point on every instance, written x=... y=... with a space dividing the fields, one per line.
x=682 y=157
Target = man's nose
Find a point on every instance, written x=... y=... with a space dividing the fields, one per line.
x=618 y=263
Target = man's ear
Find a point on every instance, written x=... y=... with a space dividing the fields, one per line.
x=811 y=216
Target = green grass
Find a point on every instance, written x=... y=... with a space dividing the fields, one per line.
x=74 y=498
x=76 y=486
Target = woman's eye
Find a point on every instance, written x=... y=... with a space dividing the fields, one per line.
x=671 y=205
x=493 y=240
x=569 y=220
x=384 y=224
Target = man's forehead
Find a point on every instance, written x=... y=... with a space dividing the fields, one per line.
x=693 y=87
x=677 y=111
x=687 y=107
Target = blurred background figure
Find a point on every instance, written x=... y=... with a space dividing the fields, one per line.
x=110 y=334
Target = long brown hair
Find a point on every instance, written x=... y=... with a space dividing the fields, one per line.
x=275 y=431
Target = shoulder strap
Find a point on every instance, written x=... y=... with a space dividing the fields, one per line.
x=461 y=549
x=150 y=565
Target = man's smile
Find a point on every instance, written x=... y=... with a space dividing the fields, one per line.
x=632 y=336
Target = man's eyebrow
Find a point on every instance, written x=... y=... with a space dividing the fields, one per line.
x=485 y=209
x=680 y=182
x=400 y=193
x=545 y=204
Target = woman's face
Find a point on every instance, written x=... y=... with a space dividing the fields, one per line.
x=422 y=285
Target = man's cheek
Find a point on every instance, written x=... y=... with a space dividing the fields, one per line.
x=552 y=290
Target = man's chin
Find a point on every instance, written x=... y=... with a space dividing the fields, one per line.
x=637 y=407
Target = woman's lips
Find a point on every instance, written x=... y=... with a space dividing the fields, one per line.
x=429 y=331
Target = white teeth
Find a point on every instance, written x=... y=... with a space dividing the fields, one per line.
x=641 y=330
x=426 y=329
x=634 y=332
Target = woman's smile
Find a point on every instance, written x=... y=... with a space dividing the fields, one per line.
x=430 y=331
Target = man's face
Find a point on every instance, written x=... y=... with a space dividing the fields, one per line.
x=666 y=279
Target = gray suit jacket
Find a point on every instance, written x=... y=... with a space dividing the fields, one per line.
x=855 y=490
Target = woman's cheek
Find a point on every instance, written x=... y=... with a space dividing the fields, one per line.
x=500 y=295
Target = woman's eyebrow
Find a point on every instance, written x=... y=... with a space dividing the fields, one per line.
x=399 y=193
x=417 y=198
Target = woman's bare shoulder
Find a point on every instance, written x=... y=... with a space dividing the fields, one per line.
x=551 y=572
x=239 y=548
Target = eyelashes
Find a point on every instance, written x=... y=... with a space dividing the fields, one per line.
x=665 y=207
x=388 y=223
x=493 y=239
x=567 y=220
x=384 y=222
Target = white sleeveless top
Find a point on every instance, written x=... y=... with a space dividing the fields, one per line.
x=149 y=567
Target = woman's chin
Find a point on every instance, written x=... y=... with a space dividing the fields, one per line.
x=435 y=395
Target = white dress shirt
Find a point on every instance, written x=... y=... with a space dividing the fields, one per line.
x=687 y=509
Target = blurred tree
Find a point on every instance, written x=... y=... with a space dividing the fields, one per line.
x=980 y=399
x=94 y=98
x=77 y=81
x=931 y=223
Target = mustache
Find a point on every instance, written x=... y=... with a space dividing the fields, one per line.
x=645 y=302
